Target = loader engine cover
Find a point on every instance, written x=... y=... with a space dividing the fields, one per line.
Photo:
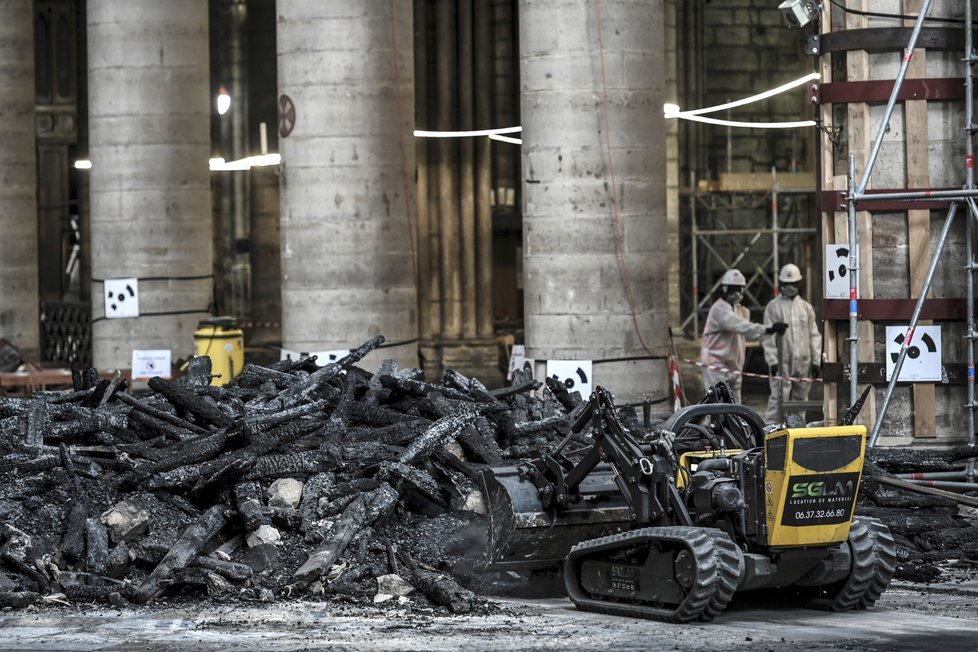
x=810 y=484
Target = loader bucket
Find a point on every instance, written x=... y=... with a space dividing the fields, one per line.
x=523 y=535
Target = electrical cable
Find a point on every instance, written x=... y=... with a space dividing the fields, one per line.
x=748 y=125
x=162 y=278
x=160 y=314
x=877 y=14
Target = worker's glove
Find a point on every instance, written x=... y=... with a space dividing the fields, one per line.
x=774 y=369
x=816 y=370
x=778 y=327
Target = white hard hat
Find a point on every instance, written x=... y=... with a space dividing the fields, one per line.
x=790 y=274
x=733 y=277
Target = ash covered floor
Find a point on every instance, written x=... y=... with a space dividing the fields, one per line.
x=909 y=616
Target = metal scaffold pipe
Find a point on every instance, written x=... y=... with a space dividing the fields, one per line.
x=915 y=317
x=969 y=107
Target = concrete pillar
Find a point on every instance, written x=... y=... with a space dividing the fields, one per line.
x=595 y=238
x=18 y=205
x=347 y=176
x=149 y=133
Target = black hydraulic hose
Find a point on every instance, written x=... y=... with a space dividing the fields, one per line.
x=690 y=413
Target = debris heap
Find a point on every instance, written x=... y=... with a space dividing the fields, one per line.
x=291 y=480
x=932 y=527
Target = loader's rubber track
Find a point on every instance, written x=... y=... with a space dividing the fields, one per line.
x=729 y=573
x=886 y=559
x=873 y=562
x=707 y=595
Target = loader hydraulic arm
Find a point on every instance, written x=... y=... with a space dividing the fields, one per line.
x=643 y=478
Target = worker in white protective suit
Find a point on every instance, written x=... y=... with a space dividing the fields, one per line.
x=725 y=334
x=800 y=348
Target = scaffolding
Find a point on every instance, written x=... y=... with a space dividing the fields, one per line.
x=719 y=239
x=965 y=197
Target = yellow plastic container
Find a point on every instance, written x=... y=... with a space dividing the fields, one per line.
x=222 y=341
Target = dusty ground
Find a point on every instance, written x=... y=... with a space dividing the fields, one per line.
x=908 y=617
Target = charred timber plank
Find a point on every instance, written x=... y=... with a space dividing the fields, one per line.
x=185 y=399
x=255 y=375
x=559 y=422
x=565 y=398
x=28 y=463
x=186 y=548
x=198 y=450
x=262 y=422
x=181 y=478
x=442 y=431
x=324 y=374
x=18 y=599
x=909 y=486
x=421 y=388
x=949 y=539
x=480 y=440
x=229 y=569
x=911 y=522
x=180 y=503
x=376 y=392
x=362 y=512
x=443 y=590
x=415 y=478
x=209 y=487
x=96 y=546
x=86 y=426
x=309 y=505
x=908 y=460
x=148 y=426
x=377 y=416
x=73 y=541
x=248 y=500
x=37 y=423
x=159 y=414
x=290 y=464
x=516 y=388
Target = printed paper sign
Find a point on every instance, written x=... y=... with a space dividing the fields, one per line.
x=517 y=358
x=285 y=354
x=923 y=360
x=121 y=297
x=323 y=358
x=574 y=374
x=837 y=271
x=147 y=363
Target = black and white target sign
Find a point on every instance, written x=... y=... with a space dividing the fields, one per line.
x=574 y=374
x=923 y=360
x=121 y=297
x=837 y=271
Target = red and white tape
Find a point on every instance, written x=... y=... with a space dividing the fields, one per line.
x=677 y=402
x=748 y=374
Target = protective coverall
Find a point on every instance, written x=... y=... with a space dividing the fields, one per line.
x=801 y=346
x=725 y=335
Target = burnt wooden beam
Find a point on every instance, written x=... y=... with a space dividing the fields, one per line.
x=363 y=511
x=185 y=399
x=186 y=548
x=159 y=414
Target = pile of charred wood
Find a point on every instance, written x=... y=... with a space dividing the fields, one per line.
x=296 y=479
x=933 y=527
x=293 y=479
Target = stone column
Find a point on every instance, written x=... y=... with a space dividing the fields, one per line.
x=595 y=237
x=347 y=176
x=149 y=131
x=18 y=205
